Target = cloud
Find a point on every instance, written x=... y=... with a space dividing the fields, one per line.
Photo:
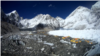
x=35 y=5
x=50 y=5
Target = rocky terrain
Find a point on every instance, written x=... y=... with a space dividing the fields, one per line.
x=32 y=43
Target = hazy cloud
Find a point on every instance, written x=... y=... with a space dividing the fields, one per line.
x=50 y=5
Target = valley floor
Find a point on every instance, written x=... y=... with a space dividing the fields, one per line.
x=40 y=43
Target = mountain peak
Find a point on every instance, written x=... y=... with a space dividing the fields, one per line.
x=84 y=18
x=43 y=15
x=59 y=18
x=39 y=15
x=80 y=10
x=81 y=7
x=47 y=14
x=14 y=11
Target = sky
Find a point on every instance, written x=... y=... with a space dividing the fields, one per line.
x=30 y=9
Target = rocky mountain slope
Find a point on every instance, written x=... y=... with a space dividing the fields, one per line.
x=8 y=28
x=9 y=22
x=12 y=18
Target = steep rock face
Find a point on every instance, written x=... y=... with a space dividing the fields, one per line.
x=82 y=18
x=8 y=28
x=14 y=18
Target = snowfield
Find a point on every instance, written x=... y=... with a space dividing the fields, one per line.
x=86 y=34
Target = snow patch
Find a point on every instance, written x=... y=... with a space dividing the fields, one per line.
x=42 y=49
x=86 y=34
x=74 y=45
x=62 y=41
x=51 y=44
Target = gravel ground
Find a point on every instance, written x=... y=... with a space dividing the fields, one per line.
x=41 y=44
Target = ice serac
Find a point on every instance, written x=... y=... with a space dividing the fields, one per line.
x=82 y=18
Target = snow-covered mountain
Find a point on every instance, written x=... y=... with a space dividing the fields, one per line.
x=45 y=19
x=81 y=18
x=84 y=18
x=13 y=16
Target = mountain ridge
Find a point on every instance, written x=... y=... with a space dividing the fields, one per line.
x=41 y=18
x=80 y=19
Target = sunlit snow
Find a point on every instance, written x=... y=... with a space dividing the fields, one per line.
x=86 y=34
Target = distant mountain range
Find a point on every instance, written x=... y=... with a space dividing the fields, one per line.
x=80 y=19
x=43 y=19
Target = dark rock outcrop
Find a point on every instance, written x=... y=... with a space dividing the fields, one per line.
x=8 y=28
x=40 y=26
x=3 y=16
x=12 y=18
x=43 y=27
